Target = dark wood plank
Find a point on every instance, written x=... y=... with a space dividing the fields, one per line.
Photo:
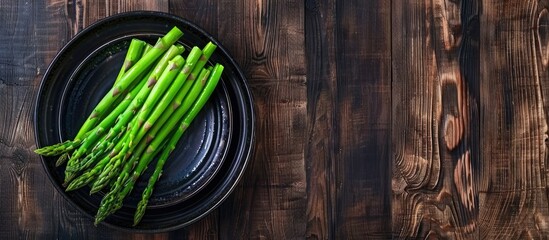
x=32 y=32
x=89 y=11
x=267 y=39
x=513 y=189
x=206 y=228
x=435 y=72
x=202 y=13
x=362 y=119
x=320 y=151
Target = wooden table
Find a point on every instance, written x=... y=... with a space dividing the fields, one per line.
x=376 y=119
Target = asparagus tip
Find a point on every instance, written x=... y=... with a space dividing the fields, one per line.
x=94 y=189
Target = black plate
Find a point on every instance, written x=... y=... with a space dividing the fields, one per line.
x=209 y=159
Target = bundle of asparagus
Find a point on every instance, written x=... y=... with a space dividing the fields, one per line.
x=155 y=97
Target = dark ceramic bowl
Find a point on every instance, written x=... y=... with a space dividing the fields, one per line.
x=209 y=159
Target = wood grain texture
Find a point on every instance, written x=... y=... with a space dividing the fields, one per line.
x=434 y=192
x=320 y=150
x=362 y=119
x=513 y=189
x=267 y=40
x=28 y=203
x=376 y=119
x=89 y=11
x=203 y=13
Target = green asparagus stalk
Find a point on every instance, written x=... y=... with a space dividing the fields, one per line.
x=147 y=107
x=104 y=145
x=113 y=200
x=123 y=118
x=196 y=67
x=136 y=48
x=207 y=52
x=177 y=100
x=62 y=159
x=129 y=77
x=195 y=109
x=59 y=148
x=116 y=163
x=192 y=95
x=100 y=152
x=134 y=53
x=144 y=93
x=89 y=176
x=180 y=104
x=147 y=48
x=159 y=109
x=105 y=124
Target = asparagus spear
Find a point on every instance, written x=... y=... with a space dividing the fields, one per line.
x=165 y=101
x=149 y=56
x=113 y=200
x=173 y=115
x=98 y=132
x=91 y=175
x=123 y=118
x=207 y=51
x=124 y=184
x=147 y=48
x=136 y=48
x=197 y=106
x=135 y=51
x=128 y=78
x=104 y=145
x=196 y=68
x=113 y=168
x=59 y=148
x=62 y=159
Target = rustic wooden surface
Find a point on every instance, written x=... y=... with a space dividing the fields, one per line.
x=376 y=119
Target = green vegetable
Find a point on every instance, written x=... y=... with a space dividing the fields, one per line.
x=202 y=99
x=134 y=54
x=113 y=167
x=129 y=77
x=162 y=94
